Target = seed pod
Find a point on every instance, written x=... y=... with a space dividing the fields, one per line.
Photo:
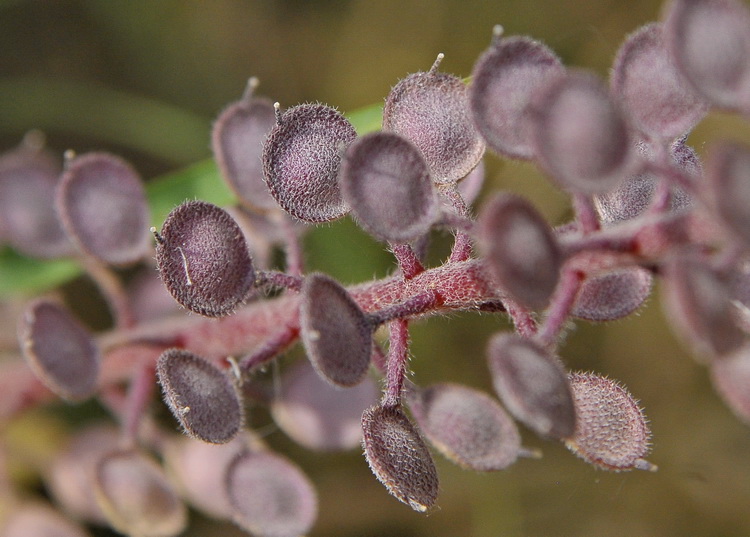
x=60 y=350
x=200 y=395
x=398 y=457
x=728 y=185
x=613 y=295
x=136 y=496
x=731 y=378
x=386 y=182
x=467 y=426
x=580 y=138
x=532 y=384
x=710 y=44
x=659 y=101
x=522 y=254
x=270 y=496
x=301 y=161
x=237 y=140
x=39 y=520
x=102 y=205
x=432 y=110
x=335 y=332
x=611 y=430
x=203 y=259
x=504 y=78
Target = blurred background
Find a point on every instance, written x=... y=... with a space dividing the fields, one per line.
x=145 y=78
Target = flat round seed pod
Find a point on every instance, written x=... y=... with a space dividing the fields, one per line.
x=29 y=222
x=39 y=520
x=710 y=45
x=532 y=384
x=60 y=350
x=728 y=185
x=200 y=395
x=698 y=304
x=203 y=259
x=237 y=141
x=502 y=82
x=102 y=204
x=270 y=496
x=658 y=99
x=319 y=416
x=470 y=186
x=335 y=332
x=301 y=161
x=580 y=138
x=614 y=295
x=386 y=182
x=466 y=425
x=611 y=430
x=432 y=110
x=136 y=496
x=399 y=458
x=519 y=246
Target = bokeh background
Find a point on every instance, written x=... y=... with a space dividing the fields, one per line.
x=145 y=78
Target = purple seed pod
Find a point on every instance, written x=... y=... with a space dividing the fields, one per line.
x=201 y=396
x=522 y=254
x=470 y=186
x=335 y=332
x=728 y=186
x=59 y=349
x=660 y=102
x=613 y=295
x=580 y=138
x=28 y=220
x=203 y=259
x=710 y=45
x=301 y=161
x=611 y=430
x=39 y=520
x=317 y=415
x=532 y=384
x=270 y=496
x=504 y=78
x=386 y=182
x=432 y=110
x=102 y=205
x=136 y=496
x=399 y=458
x=698 y=304
x=466 y=425
x=237 y=140
x=731 y=378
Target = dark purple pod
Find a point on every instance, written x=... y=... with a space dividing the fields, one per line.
x=60 y=350
x=710 y=44
x=335 y=332
x=136 y=496
x=270 y=496
x=201 y=396
x=386 y=182
x=203 y=259
x=466 y=425
x=532 y=384
x=28 y=220
x=102 y=205
x=522 y=254
x=399 y=458
x=659 y=101
x=698 y=304
x=728 y=186
x=504 y=78
x=301 y=161
x=432 y=110
x=580 y=138
x=611 y=430
x=317 y=415
x=613 y=295
x=237 y=141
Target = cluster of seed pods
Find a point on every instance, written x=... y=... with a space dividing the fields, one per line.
x=644 y=205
